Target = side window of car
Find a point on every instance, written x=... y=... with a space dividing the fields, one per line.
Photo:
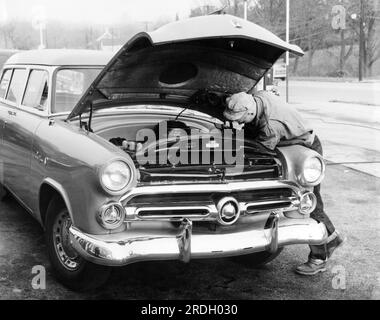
x=16 y=87
x=37 y=90
x=5 y=82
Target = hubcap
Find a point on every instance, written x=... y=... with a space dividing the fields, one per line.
x=65 y=252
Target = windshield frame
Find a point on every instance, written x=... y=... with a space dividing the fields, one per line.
x=54 y=84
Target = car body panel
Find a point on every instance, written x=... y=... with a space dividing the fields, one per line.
x=215 y=26
x=61 y=57
x=18 y=142
x=75 y=168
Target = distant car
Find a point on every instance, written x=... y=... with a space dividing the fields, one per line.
x=279 y=70
x=71 y=141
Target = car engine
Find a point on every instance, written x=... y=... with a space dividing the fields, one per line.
x=258 y=161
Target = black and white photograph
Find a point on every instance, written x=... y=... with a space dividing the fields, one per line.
x=189 y=150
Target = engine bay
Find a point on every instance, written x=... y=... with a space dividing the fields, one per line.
x=181 y=144
x=183 y=148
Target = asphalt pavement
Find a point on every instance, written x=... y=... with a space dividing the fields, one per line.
x=346 y=116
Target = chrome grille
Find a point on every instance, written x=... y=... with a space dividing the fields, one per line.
x=201 y=205
x=255 y=168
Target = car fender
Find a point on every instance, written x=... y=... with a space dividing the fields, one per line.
x=61 y=191
x=294 y=157
x=73 y=158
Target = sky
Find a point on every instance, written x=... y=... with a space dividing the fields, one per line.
x=99 y=11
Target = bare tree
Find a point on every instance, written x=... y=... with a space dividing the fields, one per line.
x=8 y=32
x=372 y=38
x=345 y=38
x=309 y=26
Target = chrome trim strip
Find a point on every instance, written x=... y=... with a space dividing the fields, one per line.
x=180 y=209
x=232 y=174
x=225 y=187
x=184 y=175
x=293 y=200
x=132 y=213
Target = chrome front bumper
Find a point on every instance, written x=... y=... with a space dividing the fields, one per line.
x=185 y=243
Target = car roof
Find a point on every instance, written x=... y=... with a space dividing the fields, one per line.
x=61 y=57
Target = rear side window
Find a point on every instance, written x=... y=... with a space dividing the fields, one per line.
x=17 y=86
x=37 y=90
x=4 y=82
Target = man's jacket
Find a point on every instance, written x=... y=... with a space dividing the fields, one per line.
x=278 y=123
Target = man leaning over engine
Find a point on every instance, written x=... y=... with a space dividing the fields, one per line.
x=275 y=123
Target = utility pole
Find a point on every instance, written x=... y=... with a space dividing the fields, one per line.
x=361 y=40
x=245 y=10
x=245 y=16
x=41 y=46
x=287 y=52
x=112 y=39
x=39 y=23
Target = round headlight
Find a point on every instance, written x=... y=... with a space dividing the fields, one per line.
x=312 y=170
x=115 y=176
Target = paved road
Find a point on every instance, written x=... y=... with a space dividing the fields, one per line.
x=319 y=91
x=350 y=132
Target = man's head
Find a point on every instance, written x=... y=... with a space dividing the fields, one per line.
x=241 y=107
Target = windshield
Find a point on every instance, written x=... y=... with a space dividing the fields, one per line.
x=70 y=85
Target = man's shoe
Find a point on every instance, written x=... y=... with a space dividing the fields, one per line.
x=312 y=267
x=334 y=241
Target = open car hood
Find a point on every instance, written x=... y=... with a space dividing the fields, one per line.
x=218 y=53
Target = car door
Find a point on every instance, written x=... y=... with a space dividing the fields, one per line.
x=28 y=94
x=4 y=82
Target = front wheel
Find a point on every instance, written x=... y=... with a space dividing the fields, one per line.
x=70 y=268
x=255 y=260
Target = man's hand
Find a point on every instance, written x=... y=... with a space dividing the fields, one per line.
x=241 y=107
x=131 y=146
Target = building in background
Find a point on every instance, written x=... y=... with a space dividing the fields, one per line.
x=108 y=42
